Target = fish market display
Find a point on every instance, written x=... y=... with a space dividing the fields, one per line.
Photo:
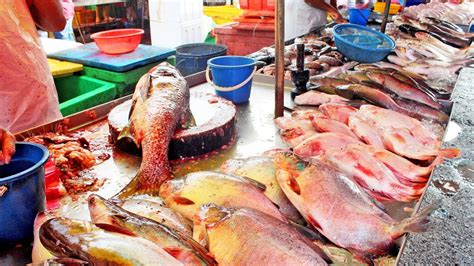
x=186 y=195
x=317 y=98
x=354 y=221
x=111 y=217
x=67 y=238
x=249 y=237
x=262 y=169
x=160 y=105
x=460 y=14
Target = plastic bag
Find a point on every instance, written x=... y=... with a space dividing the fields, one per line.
x=28 y=97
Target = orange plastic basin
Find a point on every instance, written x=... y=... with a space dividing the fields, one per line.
x=119 y=41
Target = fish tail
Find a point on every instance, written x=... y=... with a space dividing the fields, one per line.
x=140 y=185
x=449 y=153
x=417 y=223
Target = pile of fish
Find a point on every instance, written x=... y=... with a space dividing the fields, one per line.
x=320 y=57
x=262 y=208
x=376 y=147
x=461 y=14
x=381 y=84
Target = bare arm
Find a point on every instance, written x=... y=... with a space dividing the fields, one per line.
x=47 y=14
x=322 y=5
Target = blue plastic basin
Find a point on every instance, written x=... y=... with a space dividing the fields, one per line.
x=360 y=52
x=192 y=58
x=229 y=71
x=24 y=197
x=359 y=16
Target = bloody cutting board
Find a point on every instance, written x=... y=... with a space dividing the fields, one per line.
x=90 y=55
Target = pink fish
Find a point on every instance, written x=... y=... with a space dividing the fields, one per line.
x=320 y=143
x=294 y=130
x=324 y=124
x=366 y=132
x=317 y=98
x=339 y=112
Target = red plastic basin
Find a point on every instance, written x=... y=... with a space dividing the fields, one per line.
x=119 y=41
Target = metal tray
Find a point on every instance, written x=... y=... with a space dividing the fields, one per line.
x=256 y=133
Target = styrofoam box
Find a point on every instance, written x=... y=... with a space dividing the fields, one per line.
x=175 y=10
x=172 y=34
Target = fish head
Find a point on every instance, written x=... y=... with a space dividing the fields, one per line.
x=171 y=187
x=209 y=216
x=288 y=168
x=107 y=215
x=61 y=236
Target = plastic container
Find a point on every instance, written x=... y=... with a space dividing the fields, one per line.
x=22 y=193
x=124 y=81
x=414 y=2
x=173 y=34
x=118 y=41
x=181 y=11
x=222 y=14
x=63 y=68
x=232 y=77
x=268 y=5
x=362 y=51
x=364 y=40
x=379 y=7
x=192 y=58
x=77 y=93
x=359 y=16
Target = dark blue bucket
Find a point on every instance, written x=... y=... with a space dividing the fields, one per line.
x=232 y=77
x=359 y=16
x=192 y=58
x=22 y=184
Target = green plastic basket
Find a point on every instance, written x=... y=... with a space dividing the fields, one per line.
x=125 y=82
x=78 y=93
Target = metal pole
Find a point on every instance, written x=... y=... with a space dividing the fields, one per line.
x=279 y=57
x=385 y=15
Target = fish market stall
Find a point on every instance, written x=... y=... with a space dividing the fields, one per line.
x=371 y=162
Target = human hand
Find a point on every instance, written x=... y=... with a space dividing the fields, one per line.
x=7 y=146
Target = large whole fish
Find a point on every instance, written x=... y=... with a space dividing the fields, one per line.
x=339 y=209
x=320 y=143
x=186 y=195
x=249 y=237
x=317 y=98
x=295 y=129
x=111 y=217
x=338 y=112
x=365 y=131
x=157 y=211
x=160 y=105
x=262 y=169
x=67 y=238
x=324 y=124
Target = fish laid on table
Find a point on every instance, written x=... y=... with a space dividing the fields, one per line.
x=327 y=84
x=338 y=112
x=160 y=105
x=295 y=129
x=262 y=169
x=317 y=98
x=402 y=89
x=404 y=135
x=340 y=210
x=428 y=112
x=324 y=124
x=365 y=131
x=247 y=236
x=67 y=238
x=156 y=211
x=111 y=217
x=373 y=175
x=322 y=142
x=186 y=195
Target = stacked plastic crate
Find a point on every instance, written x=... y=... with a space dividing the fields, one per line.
x=255 y=28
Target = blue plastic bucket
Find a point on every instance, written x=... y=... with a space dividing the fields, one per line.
x=232 y=77
x=359 y=16
x=192 y=58
x=22 y=196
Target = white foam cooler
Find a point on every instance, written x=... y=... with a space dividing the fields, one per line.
x=175 y=22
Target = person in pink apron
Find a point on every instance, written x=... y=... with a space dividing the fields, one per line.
x=28 y=97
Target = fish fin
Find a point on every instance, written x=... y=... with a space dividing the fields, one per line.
x=182 y=200
x=415 y=224
x=115 y=229
x=197 y=247
x=254 y=183
x=309 y=233
x=373 y=201
x=293 y=184
x=313 y=222
x=449 y=153
x=135 y=188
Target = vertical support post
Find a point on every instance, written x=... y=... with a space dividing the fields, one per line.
x=385 y=16
x=279 y=57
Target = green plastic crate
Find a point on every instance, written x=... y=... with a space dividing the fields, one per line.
x=125 y=82
x=78 y=93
